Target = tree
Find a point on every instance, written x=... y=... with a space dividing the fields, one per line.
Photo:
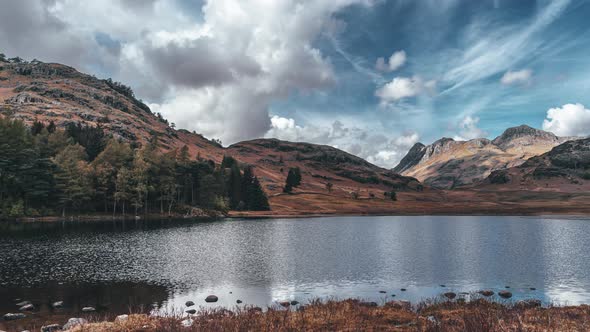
x=122 y=189
x=234 y=186
x=329 y=186
x=393 y=196
x=73 y=177
x=91 y=138
x=293 y=179
x=252 y=194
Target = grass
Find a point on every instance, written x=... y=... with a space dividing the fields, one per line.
x=354 y=315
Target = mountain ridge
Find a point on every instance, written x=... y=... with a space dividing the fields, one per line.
x=447 y=163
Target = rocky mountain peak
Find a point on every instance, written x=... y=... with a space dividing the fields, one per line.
x=411 y=159
x=520 y=132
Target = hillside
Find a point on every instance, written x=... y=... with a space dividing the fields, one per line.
x=37 y=91
x=449 y=164
x=565 y=168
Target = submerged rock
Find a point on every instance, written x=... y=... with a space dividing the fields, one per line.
x=11 y=316
x=239 y=301
x=450 y=295
x=191 y=311
x=88 y=309
x=51 y=328
x=58 y=304
x=189 y=303
x=211 y=298
x=22 y=303
x=486 y=292
x=505 y=294
x=403 y=289
x=285 y=304
x=72 y=322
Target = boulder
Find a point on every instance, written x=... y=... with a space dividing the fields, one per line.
x=191 y=311
x=187 y=322
x=285 y=304
x=529 y=303
x=27 y=307
x=239 y=301
x=294 y=302
x=189 y=303
x=403 y=289
x=51 y=328
x=58 y=304
x=11 y=316
x=88 y=309
x=382 y=292
x=450 y=295
x=486 y=292
x=211 y=299
x=121 y=318
x=505 y=294
x=73 y=322
x=22 y=303
x=399 y=304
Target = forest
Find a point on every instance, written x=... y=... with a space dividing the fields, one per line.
x=45 y=170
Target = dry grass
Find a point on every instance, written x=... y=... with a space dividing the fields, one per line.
x=353 y=315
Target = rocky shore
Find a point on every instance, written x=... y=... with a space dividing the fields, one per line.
x=448 y=313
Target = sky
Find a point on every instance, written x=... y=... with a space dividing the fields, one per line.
x=371 y=77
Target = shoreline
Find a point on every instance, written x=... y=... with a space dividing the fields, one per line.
x=445 y=314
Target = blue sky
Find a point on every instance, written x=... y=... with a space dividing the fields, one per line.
x=310 y=70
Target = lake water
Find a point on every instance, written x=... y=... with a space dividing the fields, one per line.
x=161 y=264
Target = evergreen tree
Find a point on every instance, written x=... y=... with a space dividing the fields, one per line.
x=293 y=179
x=252 y=194
x=73 y=178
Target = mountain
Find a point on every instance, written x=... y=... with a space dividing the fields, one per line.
x=565 y=168
x=449 y=164
x=37 y=91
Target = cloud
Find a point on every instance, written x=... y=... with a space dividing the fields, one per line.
x=517 y=77
x=396 y=60
x=568 y=120
x=404 y=87
x=366 y=143
x=468 y=129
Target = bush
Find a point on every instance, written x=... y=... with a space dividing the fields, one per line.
x=17 y=209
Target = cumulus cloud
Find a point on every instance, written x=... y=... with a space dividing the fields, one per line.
x=568 y=120
x=366 y=143
x=517 y=77
x=213 y=68
x=404 y=87
x=468 y=129
x=396 y=60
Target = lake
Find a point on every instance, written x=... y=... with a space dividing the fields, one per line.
x=161 y=264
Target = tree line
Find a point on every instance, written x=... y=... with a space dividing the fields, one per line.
x=45 y=170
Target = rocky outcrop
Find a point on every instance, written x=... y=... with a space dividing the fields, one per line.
x=448 y=163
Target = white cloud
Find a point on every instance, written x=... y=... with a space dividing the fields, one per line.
x=468 y=129
x=396 y=60
x=366 y=143
x=404 y=87
x=568 y=120
x=517 y=77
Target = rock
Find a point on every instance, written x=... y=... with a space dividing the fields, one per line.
x=72 y=322
x=191 y=311
x=532 y=288
x=285 y=304
x=443 y=286
x=22 y=303
x=294 y=302
x=368 y=304
x=211 y=298
x=450 y=295
x=505 y=294
x=187 y=322
x=382 y=292
x=403 y=289
x=88 y=309
x=11 y=316
x=486 y=292
x=58 y=304
x=255 y=309
x=392 y=295
x=27 y=307
x=399 y=304
x=461 y=301
x=239 y=301
x=189 y=303
x=121 y=318
x=530 y=303
x=507 y=287
x=51 y=328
